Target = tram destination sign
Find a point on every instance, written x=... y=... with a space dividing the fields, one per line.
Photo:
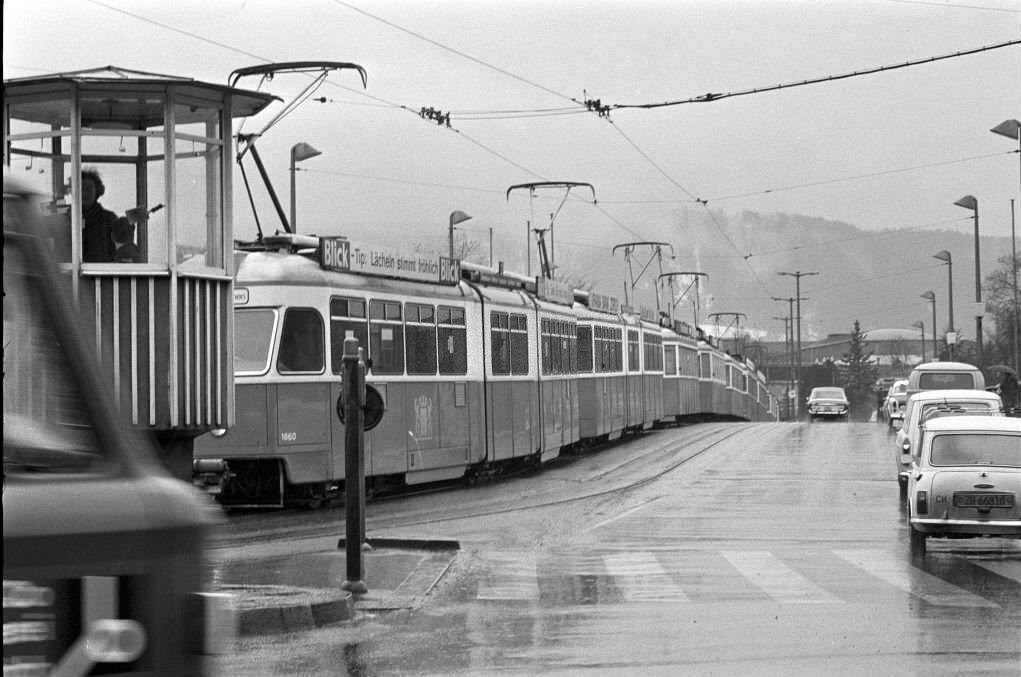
x=341 y=255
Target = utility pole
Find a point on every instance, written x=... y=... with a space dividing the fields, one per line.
x=797 y=275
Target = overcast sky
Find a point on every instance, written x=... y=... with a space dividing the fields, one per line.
x=888 y=150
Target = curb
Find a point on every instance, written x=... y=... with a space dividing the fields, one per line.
x=433 y=544
x=270 y=609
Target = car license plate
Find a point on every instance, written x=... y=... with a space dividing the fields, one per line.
x=983 y=500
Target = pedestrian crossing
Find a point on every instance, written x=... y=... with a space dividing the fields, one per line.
x=815 y=577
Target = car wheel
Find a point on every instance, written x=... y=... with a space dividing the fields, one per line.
x=917 y=542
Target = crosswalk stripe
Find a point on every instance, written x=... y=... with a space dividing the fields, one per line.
x=900 y=574
x=640 y=578
x=513 y=576
x=779 y=581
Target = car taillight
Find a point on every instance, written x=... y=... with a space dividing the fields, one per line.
x=922 y=502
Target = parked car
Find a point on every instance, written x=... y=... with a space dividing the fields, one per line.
x=933 y=404
x=965 y=480
x=893 y=405
x=945 y=376
x=828 y=403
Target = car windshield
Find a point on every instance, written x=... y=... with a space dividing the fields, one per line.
x=47 y=427
x=976 y=449
x=941 y=410
x=829 y=393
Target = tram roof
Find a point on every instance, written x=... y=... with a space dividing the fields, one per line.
x=243 y=102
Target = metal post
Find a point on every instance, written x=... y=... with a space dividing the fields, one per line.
x=978 y=296
x=353 y=373
x=1017 y=308
x=797 y=290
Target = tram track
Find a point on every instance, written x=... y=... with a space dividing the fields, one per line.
x=552 y=483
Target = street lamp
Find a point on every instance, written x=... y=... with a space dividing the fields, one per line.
x=456 y=217
x=946 y=258
x=931 y=296
x=1012 y=130
x=921 y=327
x=969 y=202
x=299 y=151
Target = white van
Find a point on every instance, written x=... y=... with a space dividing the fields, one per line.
x=945 y=376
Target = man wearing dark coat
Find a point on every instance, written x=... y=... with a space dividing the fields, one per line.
x=97 y=233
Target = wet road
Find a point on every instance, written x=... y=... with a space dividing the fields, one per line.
x=780 y=549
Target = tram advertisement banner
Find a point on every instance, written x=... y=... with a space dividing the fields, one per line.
x=340 y=254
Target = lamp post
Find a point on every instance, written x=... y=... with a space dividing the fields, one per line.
x=969 y=202
x=921 y=327
x=931 y=296
x=1012 y=130
x=797 y=275
x=299 y=151
x=946 y=258
x=456 y=217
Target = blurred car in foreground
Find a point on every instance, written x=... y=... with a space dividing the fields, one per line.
x=965 y=480
x=102 y=549
x=931 y=404
x=828 y=403
x=893 y=405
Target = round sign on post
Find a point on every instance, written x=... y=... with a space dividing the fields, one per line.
x=372 y=409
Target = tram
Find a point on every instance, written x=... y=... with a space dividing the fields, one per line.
x=478 y=369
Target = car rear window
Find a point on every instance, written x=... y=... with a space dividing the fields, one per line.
x=976 y=449
x=836 y=393
x=946 y=380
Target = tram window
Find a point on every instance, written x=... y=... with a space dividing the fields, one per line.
x=519 y=344
x=704 y=367
x=452 y=339
x=386 y=337
x=347 y=318
x=670 y=360
x=421 y=338
x=253 y=338
x=501 y=342
x=510 y=343
x=301 y=342
x=47 y=427
x=584 y=352
x=633 y=351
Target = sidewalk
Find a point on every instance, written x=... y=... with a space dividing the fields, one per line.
x=296 y=585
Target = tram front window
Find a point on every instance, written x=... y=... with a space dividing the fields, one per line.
x=253 y=338
x=47 y=428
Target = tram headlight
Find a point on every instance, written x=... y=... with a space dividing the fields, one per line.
x=218 y=432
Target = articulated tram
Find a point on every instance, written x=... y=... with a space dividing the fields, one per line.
x=477 y=368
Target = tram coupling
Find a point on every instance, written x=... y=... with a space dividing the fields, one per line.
x=210 y=475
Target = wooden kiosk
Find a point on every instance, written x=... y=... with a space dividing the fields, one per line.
x=162 y=146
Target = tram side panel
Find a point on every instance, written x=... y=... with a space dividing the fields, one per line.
x=634 y=380
x=602 y=392
x=512 y=392
x=652 y=375
x=557 y=341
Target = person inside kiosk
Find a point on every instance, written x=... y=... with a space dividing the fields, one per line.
x=97 y=232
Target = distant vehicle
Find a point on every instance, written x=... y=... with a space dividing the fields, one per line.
x=932 y=404
x=893 y=405
x=945 y=376
x=965 y=480
x=828 y=403
x=102 y=549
